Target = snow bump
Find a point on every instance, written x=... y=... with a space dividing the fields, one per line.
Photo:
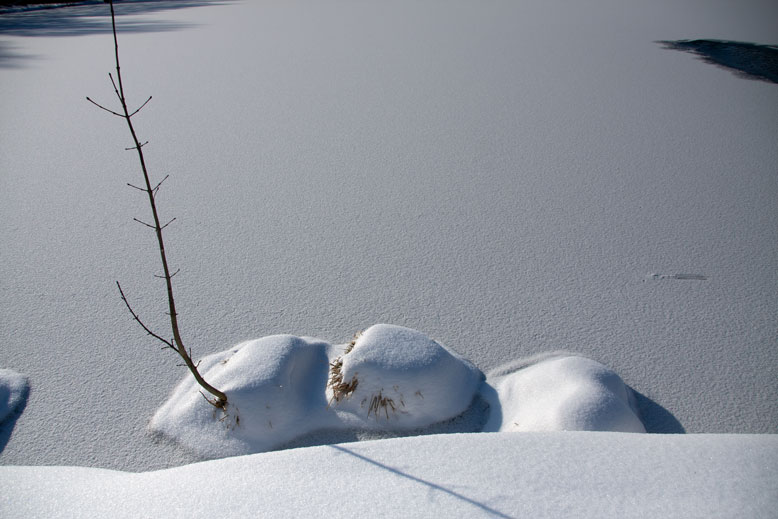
x=402 y=379
x=568 y=393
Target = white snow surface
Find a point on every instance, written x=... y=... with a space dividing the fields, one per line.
x=511 y=177
x=13 y=391
x=539 y=475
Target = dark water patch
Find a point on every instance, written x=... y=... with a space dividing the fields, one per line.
x=86 y=18
x=745 y=60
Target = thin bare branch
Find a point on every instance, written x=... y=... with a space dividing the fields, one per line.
x=171 y=221
x=136 y=187
x=156 y=188
x=141 y=107
x=146 y=224
x=120 y=96
x=171 y=275
x=101 y=107
x=136 y=147
x=137 y=319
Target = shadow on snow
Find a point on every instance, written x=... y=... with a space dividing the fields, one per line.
x=655 y=418
x=7 y=425
x=432 y=486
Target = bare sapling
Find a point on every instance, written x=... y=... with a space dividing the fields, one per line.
x=218 y=398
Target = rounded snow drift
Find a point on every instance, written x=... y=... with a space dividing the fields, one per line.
x=563 y=394
x=398 y=378
x=275 y=390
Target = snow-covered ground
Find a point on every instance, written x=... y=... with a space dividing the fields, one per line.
x=553 y=475
x=511 y=178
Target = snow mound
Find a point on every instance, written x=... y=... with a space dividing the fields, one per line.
x=279 y=387
x=389 y=380
x=561 y=394
x=13 y=391
x=275 y=386
x=398 y=378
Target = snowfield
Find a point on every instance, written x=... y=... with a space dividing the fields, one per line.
x=576 y=199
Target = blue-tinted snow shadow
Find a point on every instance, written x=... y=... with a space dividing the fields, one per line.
x=9 y=422
x=745 y=60
x=429 y=484
x=656 y=419
x=83 y=19
x=471 y=420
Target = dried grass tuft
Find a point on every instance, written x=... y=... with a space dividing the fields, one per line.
x=379 y=404
x=340 y=388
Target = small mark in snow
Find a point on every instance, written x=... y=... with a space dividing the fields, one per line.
x=693 y=277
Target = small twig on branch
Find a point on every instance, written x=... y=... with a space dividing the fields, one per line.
x=98 y=105
x=156 y=188
x=171 y=221
x=146 y=224
x=168 y=344
x=171 y=275
x=137 y=147
x=141 y=107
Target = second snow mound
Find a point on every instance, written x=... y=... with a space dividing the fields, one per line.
x=397 y=378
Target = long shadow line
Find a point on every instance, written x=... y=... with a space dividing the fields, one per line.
x=433 y=486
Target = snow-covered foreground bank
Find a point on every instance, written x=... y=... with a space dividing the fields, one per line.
x=538 y=475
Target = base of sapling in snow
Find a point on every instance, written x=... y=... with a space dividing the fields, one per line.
x=563 y=393
x=275 y=387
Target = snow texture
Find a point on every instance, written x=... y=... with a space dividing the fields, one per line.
x=13 y=392
x=562 y=394
x=561 y=475
x=277 y=388
x=509 y=177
